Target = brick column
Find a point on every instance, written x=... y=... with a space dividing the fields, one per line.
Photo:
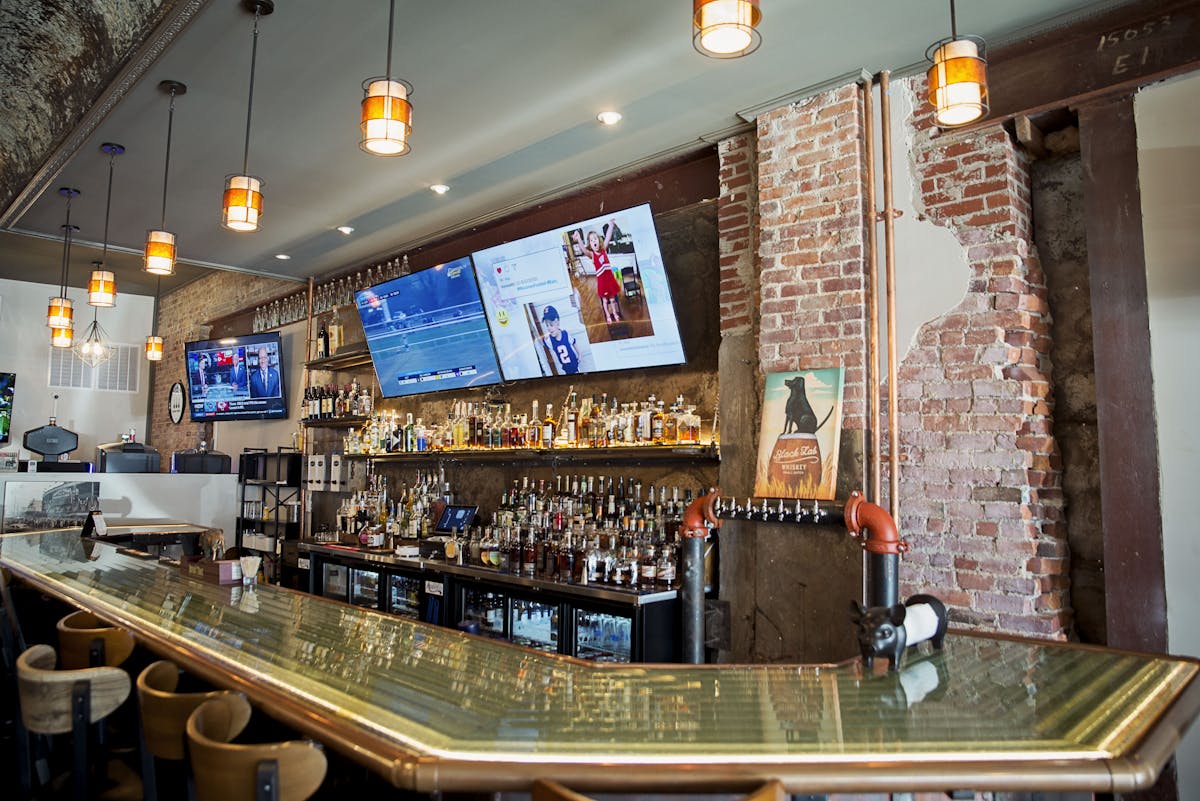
x=981 y=496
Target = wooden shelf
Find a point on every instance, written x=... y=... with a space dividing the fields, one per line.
x=650 y=454
x=348 y=358
x=348 y=421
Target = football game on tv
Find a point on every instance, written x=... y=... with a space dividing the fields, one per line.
x=583 y=298
x=426 y=331
x=237 y=378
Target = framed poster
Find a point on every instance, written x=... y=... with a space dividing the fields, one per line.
x=800 y=436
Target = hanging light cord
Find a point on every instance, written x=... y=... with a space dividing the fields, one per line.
x=250 y=101
x=66 y=249
x=953 y=23
x=391 y=24
x=157 y=292
x=167 y=164
x=112 y=158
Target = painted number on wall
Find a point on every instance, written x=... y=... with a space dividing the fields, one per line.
x=1128 y=48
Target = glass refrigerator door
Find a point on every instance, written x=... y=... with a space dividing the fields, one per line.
x=404 y=596
x=602 y=637
x=534 y=624
x=335 y=581
x=485 y=608
x=364 y=588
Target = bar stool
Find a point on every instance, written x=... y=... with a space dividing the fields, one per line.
x=86 y=641
x=223 y=771
x=60 y=701
x=164 y=718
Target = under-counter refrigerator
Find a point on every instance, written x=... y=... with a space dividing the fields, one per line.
x=365 y=588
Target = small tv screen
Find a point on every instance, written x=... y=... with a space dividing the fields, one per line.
x=427 y=332
x=237 y=378
x=587 y=297
x=7 y=380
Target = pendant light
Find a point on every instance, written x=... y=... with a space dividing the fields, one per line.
x=726 y=28
x=102 y=286
x=154 y=343
x=242 y=203
x=60 y=313
x=386 y=111
x=958 y=78
x=160 y=243
x=93 y=350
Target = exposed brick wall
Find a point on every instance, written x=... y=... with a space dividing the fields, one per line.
x=981 y=500
x=737 y=221
x=182 y=314
x=811 y=240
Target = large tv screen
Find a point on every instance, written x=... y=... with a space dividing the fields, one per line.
x=426 y=331
x=587 y=297
x=237 y=378
x=7 y=380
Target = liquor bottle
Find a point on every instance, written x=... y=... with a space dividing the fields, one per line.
x=322 y=342
x=657 y=424
x=533 y=433
x=572 y=423
x=548 y=426
x=409 y=443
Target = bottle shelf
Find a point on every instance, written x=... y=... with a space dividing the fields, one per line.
x=347 y=421
x=348 y=358
x=634 y=453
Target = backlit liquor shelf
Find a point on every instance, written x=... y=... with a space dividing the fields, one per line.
x=433 y=709
x=650 y=454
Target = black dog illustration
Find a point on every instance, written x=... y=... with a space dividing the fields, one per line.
x=799 y=416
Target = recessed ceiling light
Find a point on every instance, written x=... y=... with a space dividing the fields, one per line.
x=345 y=229
x=282 y=256
x=441 y=189
x=609 y=117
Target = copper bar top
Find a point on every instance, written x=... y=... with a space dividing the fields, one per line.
x=435 y=709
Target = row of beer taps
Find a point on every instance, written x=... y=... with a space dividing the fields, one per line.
x=779 y=511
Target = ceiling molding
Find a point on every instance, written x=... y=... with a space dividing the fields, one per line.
x=175 y=21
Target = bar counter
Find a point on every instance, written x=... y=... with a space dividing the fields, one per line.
x=434 y=709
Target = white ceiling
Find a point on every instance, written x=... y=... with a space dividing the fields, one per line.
x=505 y=99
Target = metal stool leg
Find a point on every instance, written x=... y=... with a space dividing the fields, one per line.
x=81 y=713
x=266 y=781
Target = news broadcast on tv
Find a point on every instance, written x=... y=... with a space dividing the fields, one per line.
x=236 y=379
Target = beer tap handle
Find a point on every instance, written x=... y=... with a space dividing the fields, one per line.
x=780 y=514
x=798 y=514
x=749 y=509
x=763 y=514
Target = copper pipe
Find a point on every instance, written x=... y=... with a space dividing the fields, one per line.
x=882 y=536
x=889 y=243
x=867 y=87
x=308 y=325
x=699 y=512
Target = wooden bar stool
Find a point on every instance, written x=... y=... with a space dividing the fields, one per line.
x=86 y=641
x=60 y=701
x=165 y=714
x=223 y=771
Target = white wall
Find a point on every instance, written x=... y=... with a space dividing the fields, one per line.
x=96 y=417
x=1168 y=123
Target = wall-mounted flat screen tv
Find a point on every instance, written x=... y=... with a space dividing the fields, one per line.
x=237 y=378
x=583 y=298
x=7 y=381
x=427 y=332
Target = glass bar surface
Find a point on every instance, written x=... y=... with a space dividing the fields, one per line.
x=438 y=709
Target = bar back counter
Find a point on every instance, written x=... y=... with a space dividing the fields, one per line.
x=435 y=709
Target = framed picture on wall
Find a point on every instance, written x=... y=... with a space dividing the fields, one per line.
x=800 y=435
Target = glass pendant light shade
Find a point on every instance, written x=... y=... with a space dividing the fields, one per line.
x=154 y=348
x=93 y=350
x=386 y=116
x=958 y=81
x=726 y=28
x=102 y=288
x=60 y=313
x=61 y=337
x=160 y=253
x=243 y=203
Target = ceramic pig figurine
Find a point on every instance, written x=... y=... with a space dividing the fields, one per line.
x=887 y=631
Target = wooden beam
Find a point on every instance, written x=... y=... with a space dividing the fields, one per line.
x=1114 y=52
x=1131 y=513
x=1030 y=137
